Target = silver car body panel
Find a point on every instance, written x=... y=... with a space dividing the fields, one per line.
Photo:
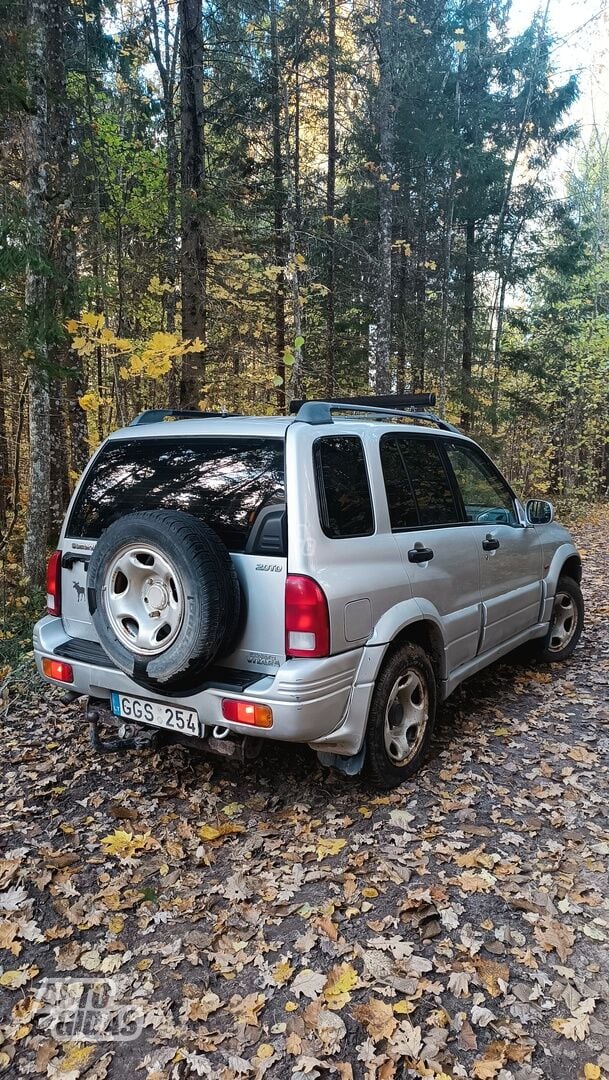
x=476 y=605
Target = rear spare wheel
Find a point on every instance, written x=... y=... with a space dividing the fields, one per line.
x=164 y=597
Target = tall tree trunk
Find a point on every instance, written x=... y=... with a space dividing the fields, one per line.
x=36 y=292
x=385 y=128
x=401 y=322
x=5 y=483
x=330 y=366
x=278 y=209
x=497 y=355
x=171 y=241
x=59 y=484
x=97 y=246
x=294 y=220
x=165 y=54
x=468 y=324
x=76 y=378
x=418 y=366
x=193 y=255
x=67 y=382
x=447 y=249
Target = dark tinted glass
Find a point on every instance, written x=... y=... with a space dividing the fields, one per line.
x=400 y=497
x=225 y=482
x=342 y=485
x=434 y=496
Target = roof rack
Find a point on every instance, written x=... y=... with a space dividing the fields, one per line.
x=153 y=416
x=382 y=401
x=320 y=412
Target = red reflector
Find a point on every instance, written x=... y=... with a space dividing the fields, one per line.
x=54 y=584
x=307 y=623
x=58 y=670
x=247 y=712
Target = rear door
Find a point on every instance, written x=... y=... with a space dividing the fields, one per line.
x=509 y=553
x=437 y=547
x=235 y=484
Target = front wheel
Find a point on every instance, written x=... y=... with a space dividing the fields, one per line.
x=566 y=626
x=401 y=718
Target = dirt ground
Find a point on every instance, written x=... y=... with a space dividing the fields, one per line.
x=274 y=919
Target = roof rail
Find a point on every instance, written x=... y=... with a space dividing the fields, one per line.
x=153 y=416
x=320 y=412
x=382 y=401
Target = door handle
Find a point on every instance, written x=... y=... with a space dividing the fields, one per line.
x=420 y=554
x=491 y=543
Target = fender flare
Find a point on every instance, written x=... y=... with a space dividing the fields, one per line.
x=348 y=738
x=566 y=554
x=393 y=623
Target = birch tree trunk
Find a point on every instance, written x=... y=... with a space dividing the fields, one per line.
x=36 y=293
x=193 y=256
x=385 y=128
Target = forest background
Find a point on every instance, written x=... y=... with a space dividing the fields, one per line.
x=229 y=203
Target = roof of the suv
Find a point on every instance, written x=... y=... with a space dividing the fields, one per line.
x=271 y=426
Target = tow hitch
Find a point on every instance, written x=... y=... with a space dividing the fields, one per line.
x=130 y=736
x=221 y=742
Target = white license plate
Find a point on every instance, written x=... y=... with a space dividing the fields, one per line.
x=173 y=717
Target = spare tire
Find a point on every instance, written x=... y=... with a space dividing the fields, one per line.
x=164 y=597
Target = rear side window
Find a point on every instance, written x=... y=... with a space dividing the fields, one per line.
x=400 y=496
x=426 y=496
x=226 y=482
x=345 y=505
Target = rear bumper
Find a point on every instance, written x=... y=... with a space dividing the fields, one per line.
x=310 y=699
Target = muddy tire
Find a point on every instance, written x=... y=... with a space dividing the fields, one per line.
x=401 y=718
x=566 y=626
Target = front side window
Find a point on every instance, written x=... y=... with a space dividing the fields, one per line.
x=486 y=496
x=345 y=504
x=224 y=481
x=426 y=481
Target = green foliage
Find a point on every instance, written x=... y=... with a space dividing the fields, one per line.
x=478 y=117
x=20 y=606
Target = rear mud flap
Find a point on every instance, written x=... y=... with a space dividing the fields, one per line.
x=351 y=766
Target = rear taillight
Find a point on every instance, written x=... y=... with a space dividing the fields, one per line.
x=247 y=712
x=54 y=584
x=57 y=669
x=307 y=623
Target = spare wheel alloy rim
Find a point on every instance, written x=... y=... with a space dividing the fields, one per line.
x=406 y=718
x=144 y=599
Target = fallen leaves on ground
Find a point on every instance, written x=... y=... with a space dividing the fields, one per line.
x=277 y=920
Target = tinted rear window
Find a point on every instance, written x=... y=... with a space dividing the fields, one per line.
x=345 y=505
x=224 y=482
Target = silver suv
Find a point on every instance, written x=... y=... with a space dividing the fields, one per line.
x=326 y=578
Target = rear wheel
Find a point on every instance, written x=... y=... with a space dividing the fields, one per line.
x=401 y=717
x=566 y=626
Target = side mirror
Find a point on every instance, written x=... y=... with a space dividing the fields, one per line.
x=539 y=512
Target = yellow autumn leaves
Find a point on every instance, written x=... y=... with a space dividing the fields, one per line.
x=126 y=845
x=152 y=356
